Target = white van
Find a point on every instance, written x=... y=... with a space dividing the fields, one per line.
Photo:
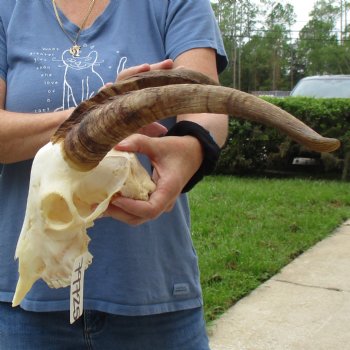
x=323 y=86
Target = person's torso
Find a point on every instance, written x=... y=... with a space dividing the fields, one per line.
x=148 y=269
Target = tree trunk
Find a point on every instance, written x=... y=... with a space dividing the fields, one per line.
x=346 y=168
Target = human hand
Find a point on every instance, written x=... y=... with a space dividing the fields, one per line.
x=128 y=72
x=175 y=160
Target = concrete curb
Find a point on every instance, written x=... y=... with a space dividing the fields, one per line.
x=305 y=306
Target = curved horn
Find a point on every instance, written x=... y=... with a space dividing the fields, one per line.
x=87 y=142
x=133 y=83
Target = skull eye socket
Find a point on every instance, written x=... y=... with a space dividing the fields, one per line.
x=84 y=209
x=56 y=211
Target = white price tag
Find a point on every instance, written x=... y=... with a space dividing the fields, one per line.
x=77 y=286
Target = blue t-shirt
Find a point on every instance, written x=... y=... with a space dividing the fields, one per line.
x=140 y=270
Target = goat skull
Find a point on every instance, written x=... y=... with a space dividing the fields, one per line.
x=74 y=178
x=62 y=204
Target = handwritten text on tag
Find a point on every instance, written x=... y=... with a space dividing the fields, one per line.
x=77 y=288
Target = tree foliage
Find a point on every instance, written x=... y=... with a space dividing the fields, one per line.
x=253 y=148
x=265 y=53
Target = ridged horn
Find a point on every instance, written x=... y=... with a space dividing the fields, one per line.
x=107 y=123
x=136 y=82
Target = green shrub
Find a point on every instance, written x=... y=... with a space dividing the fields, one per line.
x=253 y=148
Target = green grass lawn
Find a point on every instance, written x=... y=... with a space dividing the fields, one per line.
x=245 y=230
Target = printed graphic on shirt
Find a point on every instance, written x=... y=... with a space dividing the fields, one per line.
x=42 y=61
x=79 y=69
x=80 y=77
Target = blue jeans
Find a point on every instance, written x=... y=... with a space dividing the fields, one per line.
x=23 y=330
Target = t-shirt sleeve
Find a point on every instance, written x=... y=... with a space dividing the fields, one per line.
x=191 y=24
x=3 y=52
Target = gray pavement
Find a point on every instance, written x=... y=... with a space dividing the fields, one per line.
x=305 y=306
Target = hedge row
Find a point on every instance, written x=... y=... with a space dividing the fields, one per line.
x=253 y=148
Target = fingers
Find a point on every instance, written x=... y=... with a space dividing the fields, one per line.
x=137 y=143
x=153 y=130
x=135 y=212
x=133 y=70
x=116 y=212
x=104 y=86
x=166 y=64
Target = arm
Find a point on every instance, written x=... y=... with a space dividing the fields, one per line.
x=169 y=154
x=22 y=134
x=204 y=61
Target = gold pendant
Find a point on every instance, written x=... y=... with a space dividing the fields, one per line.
x=75 y=50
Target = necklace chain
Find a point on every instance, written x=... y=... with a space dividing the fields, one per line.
x=75 y=49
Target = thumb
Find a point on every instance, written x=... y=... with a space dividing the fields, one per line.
x=153 y=130
x=137 y=143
